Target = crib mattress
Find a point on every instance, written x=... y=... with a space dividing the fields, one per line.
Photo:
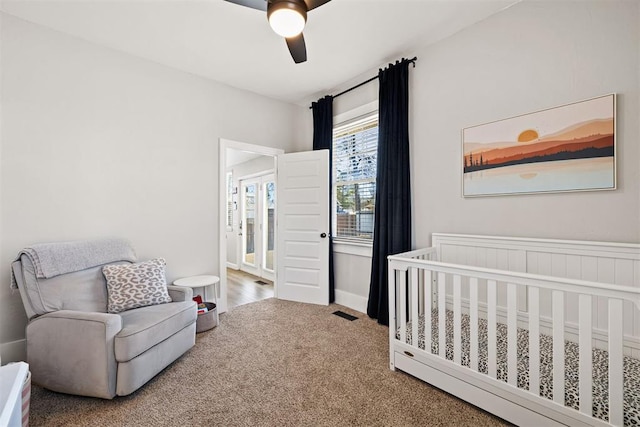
x=600 y=365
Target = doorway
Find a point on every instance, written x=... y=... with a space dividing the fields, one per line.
x=232 y=154
x=302 y=245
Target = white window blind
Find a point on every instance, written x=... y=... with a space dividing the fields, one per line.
x=355 y=147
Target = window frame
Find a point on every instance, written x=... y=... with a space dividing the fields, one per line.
x=343 y=243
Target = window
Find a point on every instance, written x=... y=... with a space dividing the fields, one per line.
x=355 y=147
x=229 y=201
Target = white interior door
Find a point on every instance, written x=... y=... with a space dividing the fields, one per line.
x=303 y=227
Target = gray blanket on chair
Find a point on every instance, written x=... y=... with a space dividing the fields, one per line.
x=54 y=259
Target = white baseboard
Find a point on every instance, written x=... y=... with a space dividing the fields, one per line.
x=233 y=266
x=353 y=301
x=13 y=351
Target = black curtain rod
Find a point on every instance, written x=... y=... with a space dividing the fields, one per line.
x=412 y=60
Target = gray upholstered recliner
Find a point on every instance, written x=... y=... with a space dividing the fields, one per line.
x=75 y=346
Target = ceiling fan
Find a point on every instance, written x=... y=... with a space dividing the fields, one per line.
x=287 y=18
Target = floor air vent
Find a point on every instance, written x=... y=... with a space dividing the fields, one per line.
x=345 y=315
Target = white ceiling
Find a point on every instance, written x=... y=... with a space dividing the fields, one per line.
x=235 y=45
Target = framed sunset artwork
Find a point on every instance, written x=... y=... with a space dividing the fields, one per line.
x=566 y=148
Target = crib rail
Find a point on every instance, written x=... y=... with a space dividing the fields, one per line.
x=418 y=284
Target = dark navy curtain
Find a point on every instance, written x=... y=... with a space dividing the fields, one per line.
x=322 y=140
x=392 y=225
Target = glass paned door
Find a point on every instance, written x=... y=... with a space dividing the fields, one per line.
x=258 y=225
x=269 y=222
x=250 y=190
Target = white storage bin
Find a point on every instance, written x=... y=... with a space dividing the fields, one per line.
x=209 y=319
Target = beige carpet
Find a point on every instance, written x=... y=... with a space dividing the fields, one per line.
x=273 y=363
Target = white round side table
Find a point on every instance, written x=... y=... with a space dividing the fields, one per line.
x=203 y=282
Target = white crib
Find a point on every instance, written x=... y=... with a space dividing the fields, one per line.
x=538 y=332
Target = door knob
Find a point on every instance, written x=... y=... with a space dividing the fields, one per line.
x=323 y=235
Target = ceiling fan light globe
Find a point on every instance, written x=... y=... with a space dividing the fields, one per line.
x=286 y=22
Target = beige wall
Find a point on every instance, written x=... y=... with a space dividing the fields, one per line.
x=97 y=143
x=534 y=55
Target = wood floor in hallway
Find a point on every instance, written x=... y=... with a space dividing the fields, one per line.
x=243 y=288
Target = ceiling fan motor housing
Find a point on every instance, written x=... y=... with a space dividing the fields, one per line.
x=295 y=5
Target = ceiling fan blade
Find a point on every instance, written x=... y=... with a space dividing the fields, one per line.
x=253 y=4
x=297 y=48
x=312 y=4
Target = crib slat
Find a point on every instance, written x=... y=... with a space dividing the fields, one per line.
x=442 y=311
x=473 y=330
x=512 y=334
x=393 y=320
x=534 y=340
x=457 y=319
x=558 y=346
x=413 y=282
x=402 y=282
x=616 y=416
x=491 y=328
x=427 y=312
x=585 y=360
